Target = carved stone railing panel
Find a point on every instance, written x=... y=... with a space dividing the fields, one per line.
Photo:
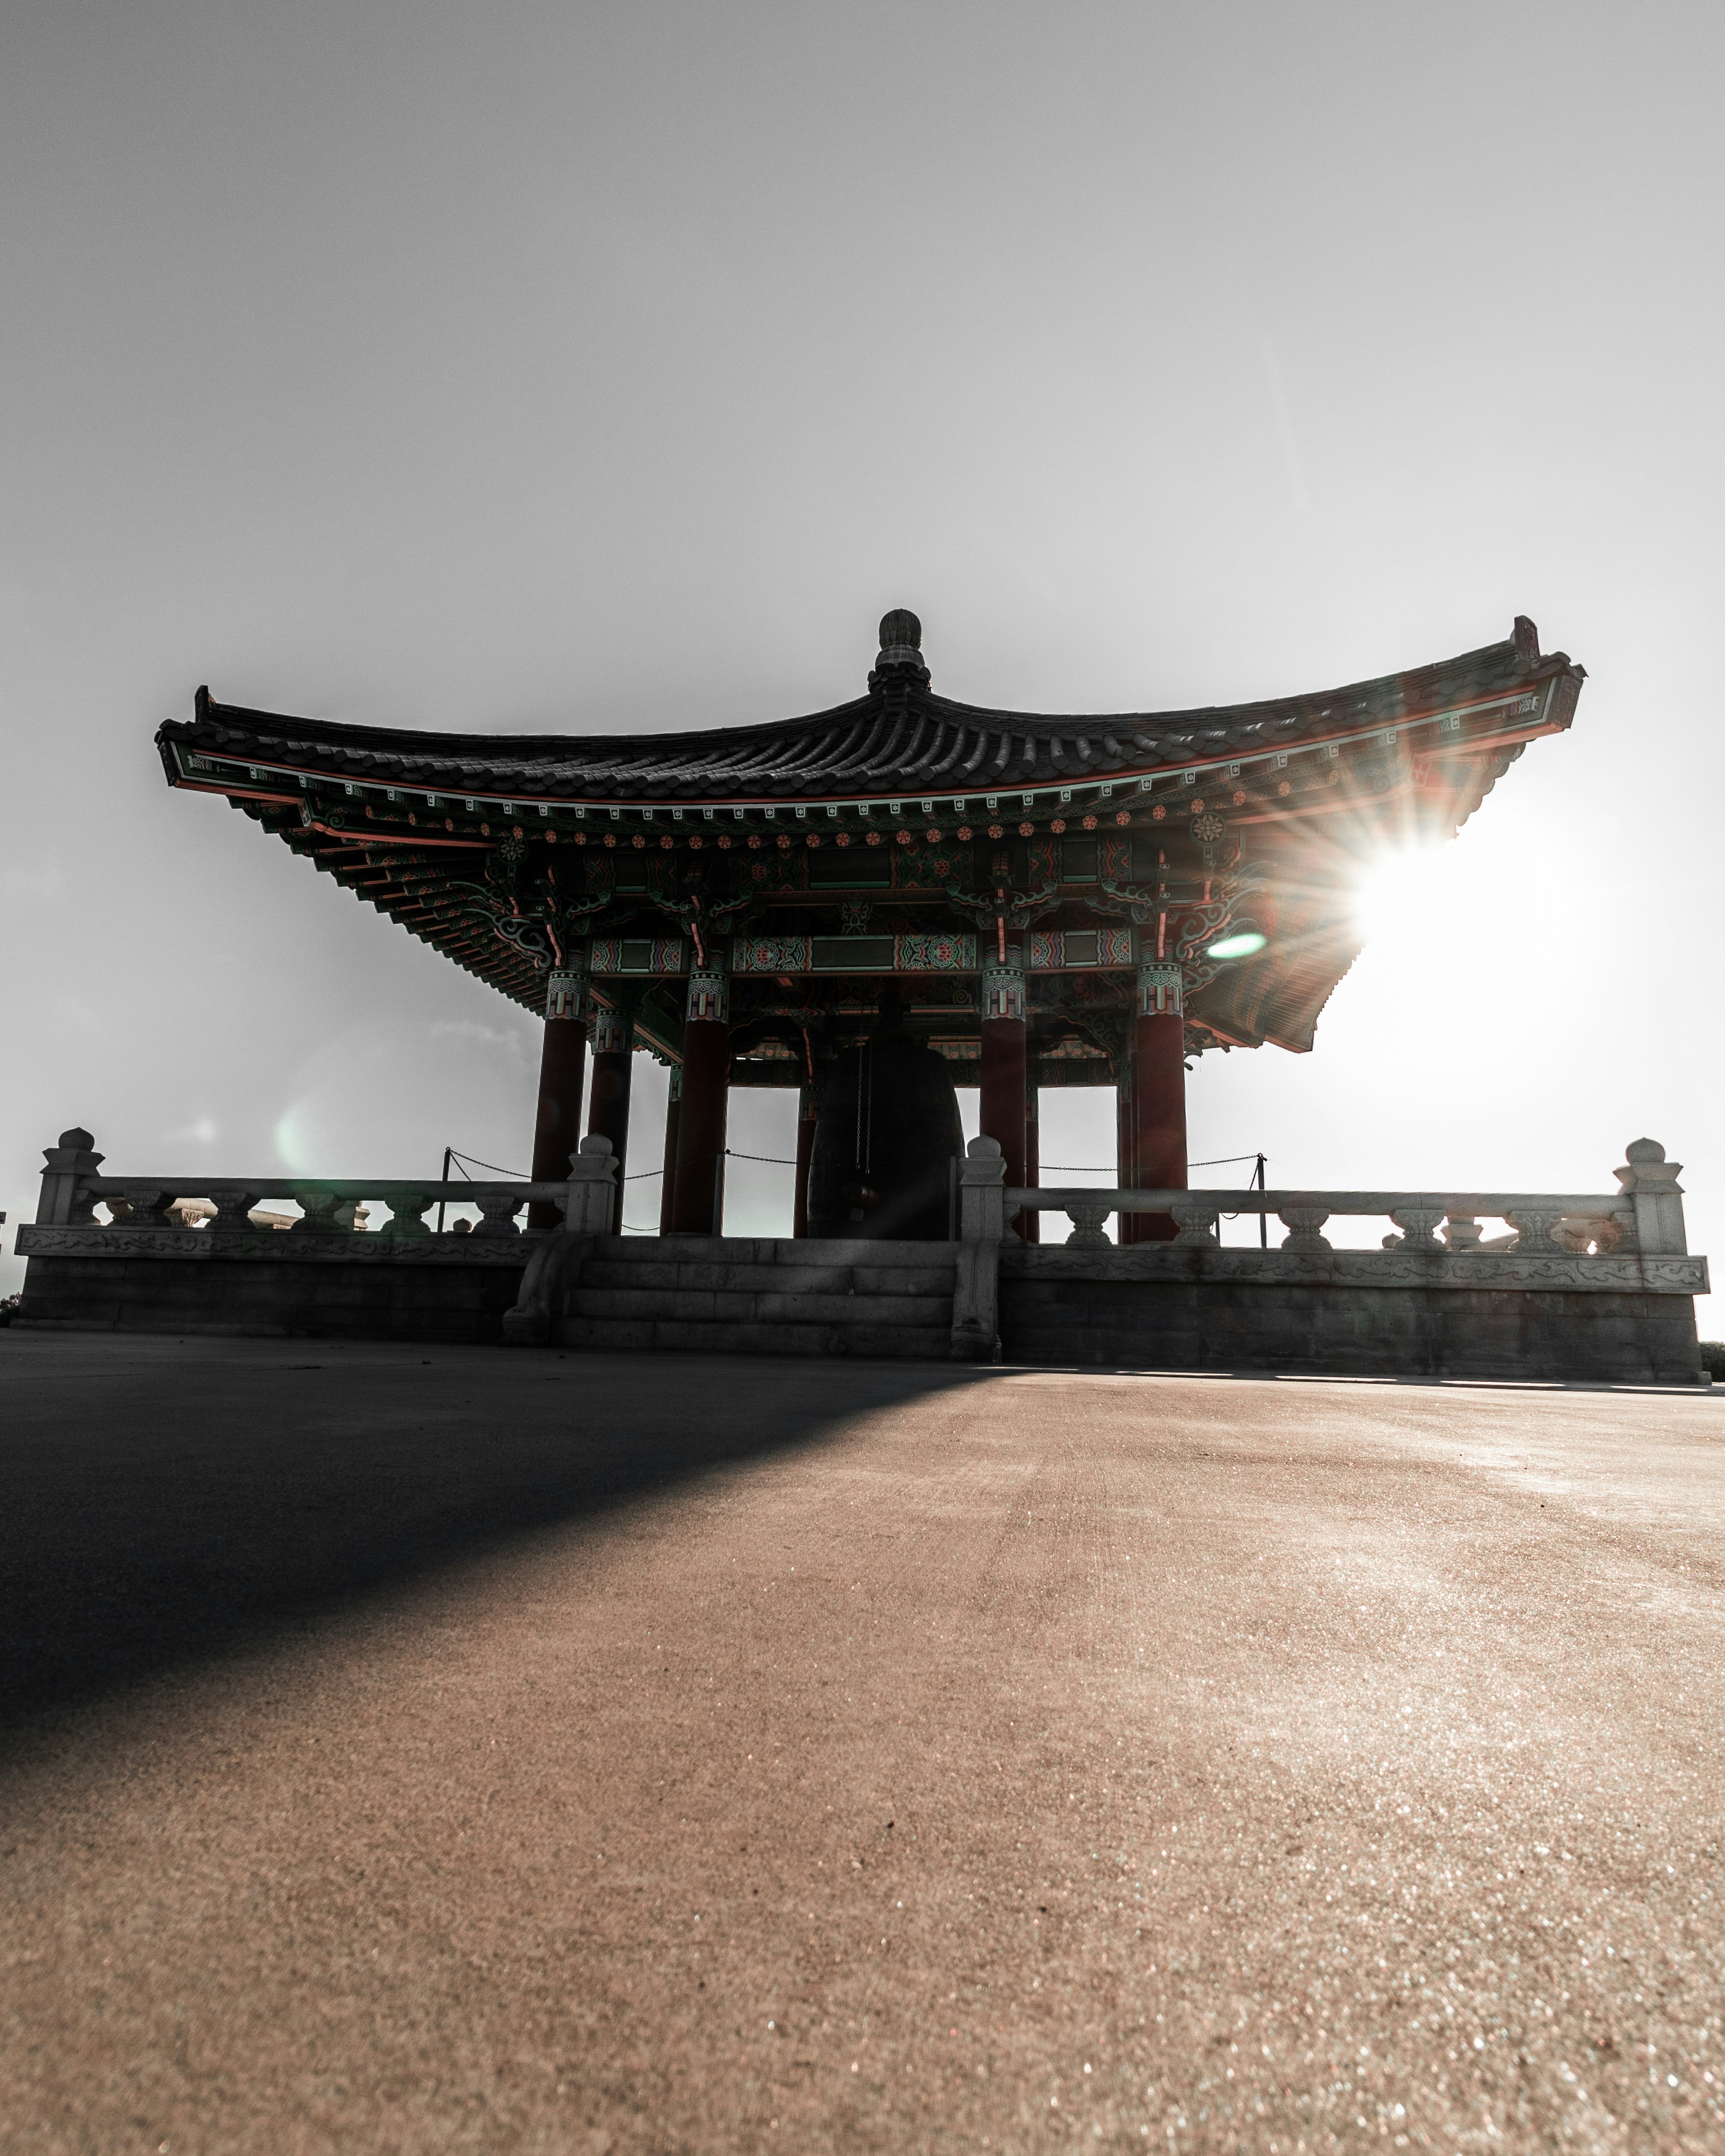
x=1303 y=1223
x=1535 y=1227
x=1599 y=1233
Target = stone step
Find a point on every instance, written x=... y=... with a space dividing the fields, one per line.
x=905 y=1279
x=696 y=1273
x=692 y=1273
x=774 y=1249
x=920 y=1343
x=737 y=1307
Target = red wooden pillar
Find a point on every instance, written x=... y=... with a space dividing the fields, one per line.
x=1005 y=1067
x=563 y=1065
x=1030 y=1223
x=668 y=1177
x=1126 y=1227
x=806 y=1111
x=1159 y=1091
x=608 y=1100
x=696 y=1207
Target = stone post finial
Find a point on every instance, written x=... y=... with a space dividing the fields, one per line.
x=975 y=1286
x=981 y=1187
x=593 y=1188
x=68 y=1165
x=1651 y=1181
x=1648 y=1168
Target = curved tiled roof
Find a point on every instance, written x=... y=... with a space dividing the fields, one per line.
x=900 y=737
x=496 y=850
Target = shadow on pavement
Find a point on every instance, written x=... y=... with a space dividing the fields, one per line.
x=161 y=1502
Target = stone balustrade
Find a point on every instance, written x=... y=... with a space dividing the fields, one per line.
x=141 y=1217
x=1596 y=1223
x=1645 y=1215
x=1626 y=1243
x=1595 y=1285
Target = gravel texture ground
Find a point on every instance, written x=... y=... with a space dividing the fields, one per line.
x=415 y=1750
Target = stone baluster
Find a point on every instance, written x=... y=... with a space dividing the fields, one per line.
x=140 y=1208
x=1196 y=1224
x=65 y=1202
x=1087 y=1226
x=1303 y=1223
x=233 y=1204
x=322 y=1214
x=498 y=1210
x=1535 y=1227
x=1461 y=1231
x=1418 y=1225
x=407 y=1215
x=1651 y=1180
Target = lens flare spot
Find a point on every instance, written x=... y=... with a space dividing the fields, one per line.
x=1238 y=943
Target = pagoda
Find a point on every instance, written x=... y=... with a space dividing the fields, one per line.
x=903 y=893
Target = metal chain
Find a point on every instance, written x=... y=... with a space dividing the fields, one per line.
x=462 y=1159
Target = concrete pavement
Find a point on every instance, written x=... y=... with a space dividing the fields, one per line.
x=471 y=1750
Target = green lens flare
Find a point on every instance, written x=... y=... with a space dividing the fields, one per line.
x=1239 y=946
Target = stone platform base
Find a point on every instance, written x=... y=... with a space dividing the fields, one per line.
x=259 y=1290
x=1168 y=1309
x=1624 y=1318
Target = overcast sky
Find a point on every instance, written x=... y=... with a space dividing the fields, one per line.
x=533 y=366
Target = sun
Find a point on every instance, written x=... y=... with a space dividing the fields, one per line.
x=1400 y=893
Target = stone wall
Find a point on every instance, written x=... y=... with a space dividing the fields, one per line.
x=1163 y=1310
x=457 y=1298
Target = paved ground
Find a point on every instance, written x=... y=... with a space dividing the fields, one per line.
x=494 y=1752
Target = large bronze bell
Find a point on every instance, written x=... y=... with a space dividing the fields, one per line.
x=886 y=1134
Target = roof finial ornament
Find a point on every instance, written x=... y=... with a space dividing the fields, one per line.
x=900 y=644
